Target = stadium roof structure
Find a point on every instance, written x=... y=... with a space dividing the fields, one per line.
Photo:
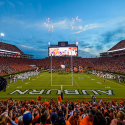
x=9 y=48
x=118 y=47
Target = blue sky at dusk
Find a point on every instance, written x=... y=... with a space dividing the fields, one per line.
x=96 y=24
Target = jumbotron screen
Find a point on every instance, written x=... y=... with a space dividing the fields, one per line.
x=63 y=51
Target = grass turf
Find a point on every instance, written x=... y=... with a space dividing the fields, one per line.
x=81 y=81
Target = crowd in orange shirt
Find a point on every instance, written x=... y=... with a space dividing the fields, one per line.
x=12 y=65
x=16 y=112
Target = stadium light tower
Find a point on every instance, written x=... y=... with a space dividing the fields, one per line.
x=2 y=36
x=49 y=43
x=77 y=43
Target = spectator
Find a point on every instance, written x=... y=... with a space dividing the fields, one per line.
x=3 y=120
x=75 y=118
x=27 y=118
x=119 y=120
x=99 y=119
x=89 y=119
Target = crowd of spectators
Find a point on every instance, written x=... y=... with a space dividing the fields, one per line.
x=113 y=64
x=12 y=65
x=9 y=47
x=16 y=112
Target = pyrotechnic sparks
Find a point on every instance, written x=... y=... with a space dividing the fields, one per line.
x=48 y=25
x=75 y=24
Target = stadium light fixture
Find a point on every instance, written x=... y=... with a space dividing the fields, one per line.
x=77 y=43
x=2 y=36
x=49 y=43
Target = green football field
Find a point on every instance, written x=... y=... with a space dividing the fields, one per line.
x=82 y=85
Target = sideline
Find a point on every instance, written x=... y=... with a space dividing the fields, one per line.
x=65 y=97
x=115 y=82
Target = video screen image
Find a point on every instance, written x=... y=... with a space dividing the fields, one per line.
x=63 y=51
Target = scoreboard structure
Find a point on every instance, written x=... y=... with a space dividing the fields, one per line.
x=63 y=49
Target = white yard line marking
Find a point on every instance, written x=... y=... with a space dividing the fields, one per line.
x=76 y=82
x=19 y=87
x=99 y=82
x=115 y=83
x=49 y=82
x=33 y=79
x=92 y=79
x=27 y=82
x=107 y=87
x=43 y=74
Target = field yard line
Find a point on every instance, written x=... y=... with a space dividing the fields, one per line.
x=76 y=82
x=49 y=82
x=19 y=87
x=43 y=74
x=115 y=83
x=27 y=82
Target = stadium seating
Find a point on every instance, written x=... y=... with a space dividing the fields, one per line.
x=119 y=45
x=10 y=47
x=113 y=63
x=12 y=65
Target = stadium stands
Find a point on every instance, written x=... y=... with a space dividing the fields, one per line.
x=51 y=112
x=119 y=45
x=12 y=65
x=9 y=47
x=118 y=49
x=113 y=63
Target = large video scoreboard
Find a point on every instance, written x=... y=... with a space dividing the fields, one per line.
x=63 y=49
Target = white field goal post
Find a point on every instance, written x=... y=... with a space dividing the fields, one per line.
x=71 y=72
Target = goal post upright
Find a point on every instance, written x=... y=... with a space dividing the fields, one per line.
x=72 y=67
x=51 y=69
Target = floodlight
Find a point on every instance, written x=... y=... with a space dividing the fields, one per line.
x=2 y=34
x=77 y=43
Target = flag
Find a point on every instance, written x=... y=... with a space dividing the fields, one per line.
x=75 y=69
x=80 y=68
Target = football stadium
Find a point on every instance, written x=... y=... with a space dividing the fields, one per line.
x=67 y=72
x=63 y=71
x=63 y=75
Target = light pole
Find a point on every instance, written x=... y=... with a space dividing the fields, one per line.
x=2 y=36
